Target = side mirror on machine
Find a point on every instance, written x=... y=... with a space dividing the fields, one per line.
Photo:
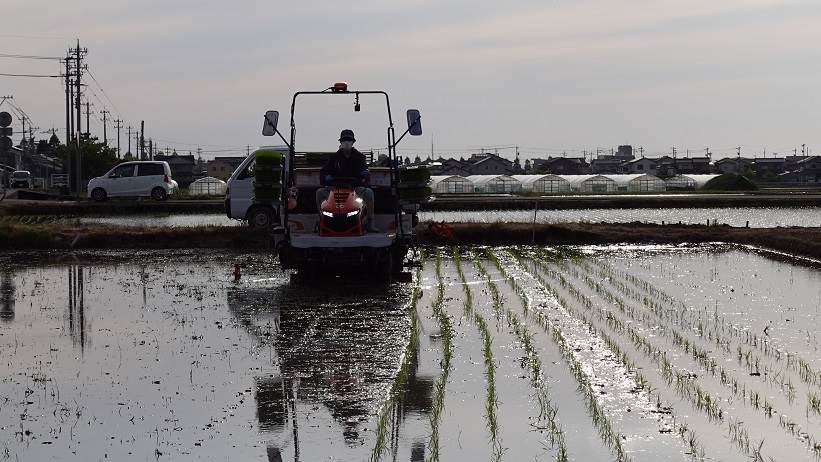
x=414 y=122
x=269 y=125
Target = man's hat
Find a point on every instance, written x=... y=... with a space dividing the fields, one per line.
x=346 y=135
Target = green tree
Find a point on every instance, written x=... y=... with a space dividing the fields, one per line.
x=97 y=159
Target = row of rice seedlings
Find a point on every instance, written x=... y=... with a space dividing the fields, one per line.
x=757 y=367
x=547 y=411
x=702 y=400
x=682 y=430
x=399 y=382
x=769 y=373
x=708 y=364
x=492 y=399
x=446 y=327
x=806 y=372
x=599 y=418
x=681 y=380
x=700 y=355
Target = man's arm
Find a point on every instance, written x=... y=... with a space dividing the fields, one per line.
x=364 y=173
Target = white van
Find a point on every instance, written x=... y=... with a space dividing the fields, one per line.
x=239 y=195
x=134 y=179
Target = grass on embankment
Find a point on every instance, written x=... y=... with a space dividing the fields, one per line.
x=797 y=241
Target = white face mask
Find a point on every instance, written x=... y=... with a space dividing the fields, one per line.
x=345 y=145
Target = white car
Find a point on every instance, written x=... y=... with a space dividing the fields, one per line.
x=134 y=179
x=239 y=196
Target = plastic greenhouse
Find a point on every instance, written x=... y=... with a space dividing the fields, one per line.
x=450 y=184
x=638 y=183
x=494 y=184
x=591 y=183
x=689 y=181
x=208 y=185
x=543 y=183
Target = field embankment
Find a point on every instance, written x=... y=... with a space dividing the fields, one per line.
x=798 y=241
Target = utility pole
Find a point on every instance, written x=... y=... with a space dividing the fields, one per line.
x=150 y=149
x=78 y=89
x=68 y=101
x=118 y=124
x=105 y=133
x=738 y=149
x=142 y=140
x=247 y=150
x=88 y=120
x=641 y=151
x=129 y=141
x=71 y=137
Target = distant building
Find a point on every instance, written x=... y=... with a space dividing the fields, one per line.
x=642 y=165
x=606 y=164
x=625 y=152
x=182 y=168
x=561 y=166
x=489 y=164
x=223 y=167
x=765 y=168
x=737 y=165
x=810 y=169
x=695 y=165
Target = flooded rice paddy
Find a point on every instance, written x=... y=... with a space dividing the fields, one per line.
x=622 y=353
x=758 y=217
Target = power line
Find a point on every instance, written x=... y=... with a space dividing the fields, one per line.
x=11 y=55
x=31 y=75
x=104 y=93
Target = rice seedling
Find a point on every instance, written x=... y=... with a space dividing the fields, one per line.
x=702 y=400
x=547 y=411
x=717 y=325
x=491 y=398
x=595 y=410
x=399 y=382
x=438 y=399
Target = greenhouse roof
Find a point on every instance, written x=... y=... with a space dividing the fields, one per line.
x=529 y=179
x=484 y=179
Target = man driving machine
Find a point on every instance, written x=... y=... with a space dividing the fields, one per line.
x=348 y=162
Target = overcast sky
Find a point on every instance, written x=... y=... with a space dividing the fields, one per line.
x=548 y=76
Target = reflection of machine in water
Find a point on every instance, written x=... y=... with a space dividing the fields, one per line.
x=339 y=348
x=7 y=295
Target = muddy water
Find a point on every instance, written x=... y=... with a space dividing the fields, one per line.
x=758 y=217
x=145 y=359
x=764 y=217
x=164 y=356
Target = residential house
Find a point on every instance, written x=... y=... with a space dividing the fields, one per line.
x=640 y=165
x=769 y=168
x=695 y=165
x=223 y=166
x=561 y=166
x=489 y=164
x=737 y=165
x=606 y=164
x=810 y=169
